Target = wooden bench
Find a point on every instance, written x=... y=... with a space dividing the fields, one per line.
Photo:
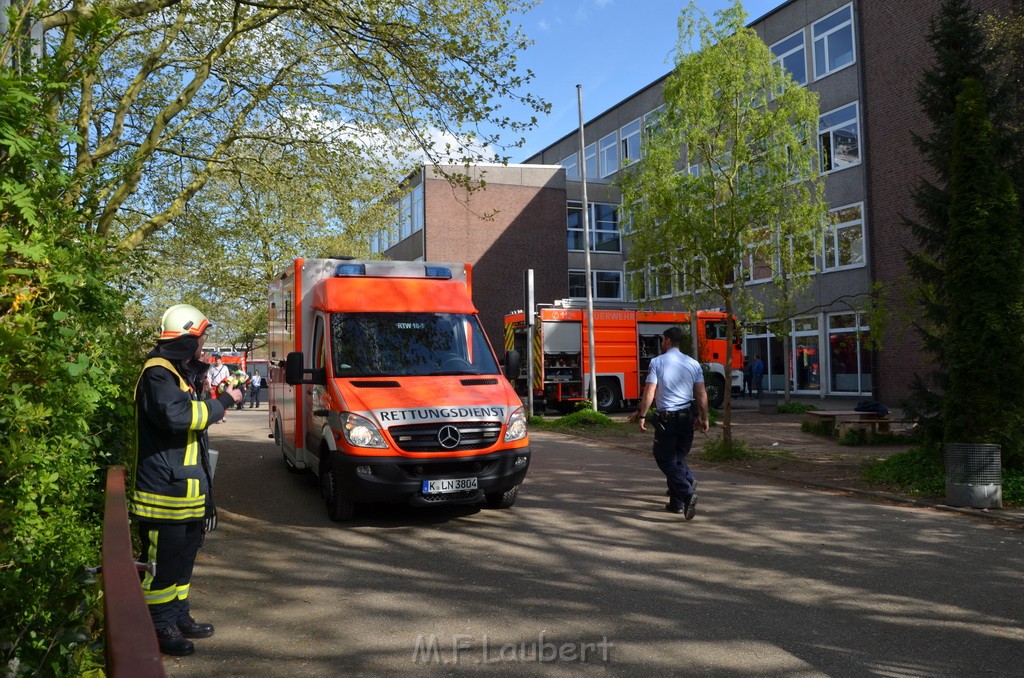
x=870 y=426
x=830 y=417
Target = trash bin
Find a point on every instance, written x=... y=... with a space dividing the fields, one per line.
x=973 y=475
x=768 y=403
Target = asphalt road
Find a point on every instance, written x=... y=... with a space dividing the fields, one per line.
x=767 y=580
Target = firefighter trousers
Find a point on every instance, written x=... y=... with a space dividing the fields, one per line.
x=173 y=547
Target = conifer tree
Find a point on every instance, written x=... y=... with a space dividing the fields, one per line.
x=984 y=283
x=961 y=50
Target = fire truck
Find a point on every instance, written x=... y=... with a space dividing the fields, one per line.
x=385 y=386
x=625 y=340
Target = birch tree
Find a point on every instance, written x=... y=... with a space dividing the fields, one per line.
x=729 y=178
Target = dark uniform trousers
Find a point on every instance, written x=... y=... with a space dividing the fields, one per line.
x=673 y=436
x=173 y=546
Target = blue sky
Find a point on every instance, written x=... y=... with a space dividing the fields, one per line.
x=612 y=48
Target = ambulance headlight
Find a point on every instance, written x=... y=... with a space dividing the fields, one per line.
x=360 y=432
x=516 y=426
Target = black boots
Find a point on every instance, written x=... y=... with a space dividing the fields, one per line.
x=173 y=643
x=190 y=628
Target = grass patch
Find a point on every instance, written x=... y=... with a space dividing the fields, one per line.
x=921 y=472
x=715 y=450
x=818 y=428
x=918 y=471
x=855 y=437
x=581 y=421
x=795 y=408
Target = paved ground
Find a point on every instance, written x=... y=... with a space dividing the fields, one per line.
x=768 y=580
x=807 y=459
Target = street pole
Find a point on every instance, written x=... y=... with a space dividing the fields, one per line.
x=592 y=365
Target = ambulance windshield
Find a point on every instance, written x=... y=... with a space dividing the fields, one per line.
x=409 y=344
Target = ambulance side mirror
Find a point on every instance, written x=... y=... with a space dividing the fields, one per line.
x=512 y=365
x=295 y=373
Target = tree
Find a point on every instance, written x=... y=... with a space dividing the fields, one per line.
x=748 y=193
x=235 y=236
x=187 y=90
x=984 y=253
x=961 y=51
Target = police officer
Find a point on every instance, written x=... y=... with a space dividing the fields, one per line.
x=171 y=499
x=675 y=385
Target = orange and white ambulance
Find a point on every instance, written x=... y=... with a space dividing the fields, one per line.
x=384 y=384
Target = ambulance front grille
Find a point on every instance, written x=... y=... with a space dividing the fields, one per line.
x=472 y=435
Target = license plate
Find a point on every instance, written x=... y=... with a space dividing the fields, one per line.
x=445 y=485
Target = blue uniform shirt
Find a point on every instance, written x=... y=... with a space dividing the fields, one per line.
x=675 y=373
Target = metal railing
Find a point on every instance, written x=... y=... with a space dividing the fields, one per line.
x=132 y=648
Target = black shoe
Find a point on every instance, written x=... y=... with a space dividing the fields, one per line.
x=190 y=628
x=673 y=508
x=173 y=643
x=690 y=507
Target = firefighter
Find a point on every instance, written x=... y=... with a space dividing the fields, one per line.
x=172 y=499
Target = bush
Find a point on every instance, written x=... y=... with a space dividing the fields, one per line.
x=67 y=365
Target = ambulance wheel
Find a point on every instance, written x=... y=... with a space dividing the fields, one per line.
x=502 y=500
x=608 y=397
x=339 y=508
x=715 y=386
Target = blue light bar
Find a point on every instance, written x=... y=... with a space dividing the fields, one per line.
x=439 y=272
x=349 y=269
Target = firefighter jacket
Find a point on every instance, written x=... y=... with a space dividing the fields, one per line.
x=171 y=476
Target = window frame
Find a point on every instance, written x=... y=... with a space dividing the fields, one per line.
x=824 y=37
x=830 y=131
x=833 y=232
x=630 y=146
x=594 y=283
x=607 y=146
x=571 y=163
x=781 y=58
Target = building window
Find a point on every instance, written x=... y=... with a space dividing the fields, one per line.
x=572 y=167
x=757 y=263
x=604 y=227
x=791 y=55
x=590 y=159
x=405 y=218
x=660 y=279
x=651 y=123
x=844 y=238
x=609 y=154
x=833 y=42
x=839 y=139
x=629 y=141
x=848 y=356
x=606 y=285
x=417 y=209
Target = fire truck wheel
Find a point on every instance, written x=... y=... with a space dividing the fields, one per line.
x=502 y=500
x=608 y=397
x=715 y=385
x=338 y=507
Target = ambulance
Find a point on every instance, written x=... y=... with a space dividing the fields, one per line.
x=384 y=385
x=625 y=341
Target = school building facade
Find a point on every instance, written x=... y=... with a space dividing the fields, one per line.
x=863 y=59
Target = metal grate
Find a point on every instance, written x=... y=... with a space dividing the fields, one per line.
x=475 y=435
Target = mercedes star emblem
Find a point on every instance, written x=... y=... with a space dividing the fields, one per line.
x=449 y=437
